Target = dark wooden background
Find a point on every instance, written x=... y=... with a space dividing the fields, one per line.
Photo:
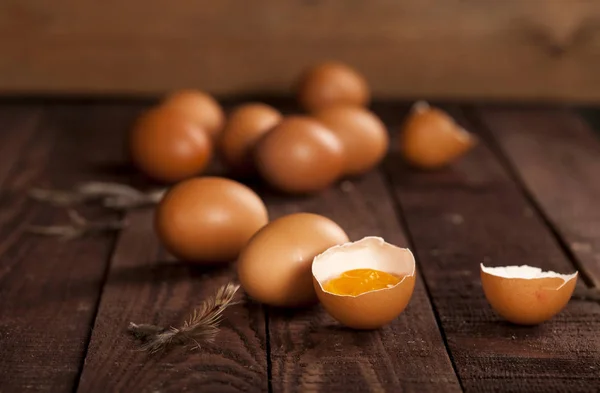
x=452 y=49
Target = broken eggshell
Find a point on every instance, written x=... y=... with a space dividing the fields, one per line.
x=372 y=309
x=526 y=295
x=431 y=139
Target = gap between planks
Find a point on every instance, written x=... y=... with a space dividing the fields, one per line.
x=56 y=283
x=311 y=352
x=555 y=158
x=411 y=243
x=466 y=177
x=473 y=212
x=303 y=349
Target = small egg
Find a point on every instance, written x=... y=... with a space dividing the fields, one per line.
x=431 y=139
x=362 y=133
x=374 y=308
x=208 y=219
x=245 y=126
x=169 y=147
x=300 y=155
x=275 y=266
x=200 y=106
x=526 y=295
x=331 y=83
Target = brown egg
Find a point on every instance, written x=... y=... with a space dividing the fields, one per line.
x=362 y=133
x=430 y=138
x=332 y=83
x=300 y=155
x=526 y=295
x=275 y=266
x=201 y=107
x=209 y=219
x=169 y=147
x=245 y=126
x=371 y=309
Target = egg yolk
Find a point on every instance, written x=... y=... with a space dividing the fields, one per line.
x=357 y=281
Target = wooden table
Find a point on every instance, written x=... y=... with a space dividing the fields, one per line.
x=528 y=194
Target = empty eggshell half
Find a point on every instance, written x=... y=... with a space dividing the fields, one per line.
x=372 y=309
x=526 y=295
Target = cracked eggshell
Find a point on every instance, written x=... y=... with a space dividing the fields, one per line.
x=372 y=309
x=431 y=139
x=526 y=295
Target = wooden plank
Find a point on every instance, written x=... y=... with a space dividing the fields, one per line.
x=592 y=117
x=311 y=352
x=434 y=48
x=49 y=288
x=17 y=125
x=145 y=285
x=557 y=156
x=472 y=212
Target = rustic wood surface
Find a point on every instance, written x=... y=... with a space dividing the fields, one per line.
x=474 y=213
x=145 y=286
x=49 y=288
x=523 y=196
x=310 y=352
x=435 y=48
x=556 y=156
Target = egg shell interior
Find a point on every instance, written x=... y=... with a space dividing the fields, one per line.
x=371 y=309
x=526 y=272
x=368 y=253
x=526 y=295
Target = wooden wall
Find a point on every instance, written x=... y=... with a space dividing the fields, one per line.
x=460 y=49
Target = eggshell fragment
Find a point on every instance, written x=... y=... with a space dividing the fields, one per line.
x=332 y=83
x=431 y=139
x=275 y=266
x=526 y=295
x=373 y=309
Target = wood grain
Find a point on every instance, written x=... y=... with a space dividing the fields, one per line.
x=557 y=156
x=17 y=125
x=49 y=288
x=470 y=213
x=435 y=48
x=312 y=352
x=146 y=285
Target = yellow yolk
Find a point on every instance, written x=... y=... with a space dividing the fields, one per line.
x=357 y=281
